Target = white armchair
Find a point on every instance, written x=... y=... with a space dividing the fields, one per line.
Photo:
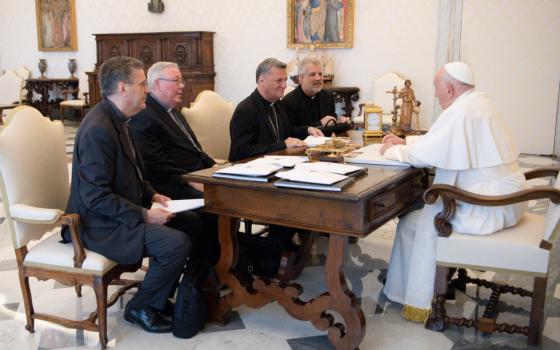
x=522 y=249
x=81 y=103
x=35 y=188
x=11 y=86
x=209 y=117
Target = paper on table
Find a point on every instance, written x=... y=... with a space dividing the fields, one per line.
x=316 y=177
x=283 y=161
x=336 y=168
x=250 y=170
x=312 y=141
x=371 y=155
x=176 y=206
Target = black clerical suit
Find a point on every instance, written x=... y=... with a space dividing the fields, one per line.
x=169 y=150
x=110 y=194
x=258 y=128
x=305 y=110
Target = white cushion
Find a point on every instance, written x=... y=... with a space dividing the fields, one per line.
x=50 y=253
x=73 y=103
x=513 y=249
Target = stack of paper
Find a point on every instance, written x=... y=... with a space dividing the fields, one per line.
x=371 y=155
x=313 y=180
x=282 y=161
x=336 y=168
x=248 y=172
x=176 y=206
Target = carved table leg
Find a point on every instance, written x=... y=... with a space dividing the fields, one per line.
x=228 y=277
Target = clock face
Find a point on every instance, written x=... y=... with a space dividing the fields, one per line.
x=374 y=121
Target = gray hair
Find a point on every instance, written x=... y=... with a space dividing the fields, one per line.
x=308 y=60
x=265 y=66
x=155 y=71
x=115 y=70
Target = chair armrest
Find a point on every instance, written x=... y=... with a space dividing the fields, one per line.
x=542 y=172
x=450 y=194
x=72 y=220
x=34 y=215
x=220 y=161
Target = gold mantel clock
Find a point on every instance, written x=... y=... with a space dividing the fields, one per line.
x=373 y=121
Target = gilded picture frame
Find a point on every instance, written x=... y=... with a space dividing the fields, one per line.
x=320 y=23
x=56 y=25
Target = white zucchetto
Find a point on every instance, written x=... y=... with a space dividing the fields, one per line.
x=460 y=71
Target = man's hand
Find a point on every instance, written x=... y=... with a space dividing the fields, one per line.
x=292 y=142
x=343 y=120
x=314 y=131
x=197 y=186
x=161 y=199
x=158 y=216
x=394 y=139
x=325 y=120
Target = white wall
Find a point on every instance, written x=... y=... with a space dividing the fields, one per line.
x=395 y=35
x=514 y=48
x=512 y=44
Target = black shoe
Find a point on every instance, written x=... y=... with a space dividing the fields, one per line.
x=168 y=311
x=147 y=318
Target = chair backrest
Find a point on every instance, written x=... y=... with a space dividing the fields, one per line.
x=33 y=169
x=10 y=88
x=209 y=117
x=383 y=84
x=22 y=72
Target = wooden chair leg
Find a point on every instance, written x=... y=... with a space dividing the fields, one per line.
x=62 y=114
x=78 y=288
x=537 y=306
x=27 y=301
x=100 y=289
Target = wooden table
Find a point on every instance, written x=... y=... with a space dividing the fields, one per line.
x=42 y=86
x=385 y=192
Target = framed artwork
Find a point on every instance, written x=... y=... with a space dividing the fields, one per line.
x=320 y=23
x=56 y=25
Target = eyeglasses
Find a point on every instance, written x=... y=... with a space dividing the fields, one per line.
x=176 y=81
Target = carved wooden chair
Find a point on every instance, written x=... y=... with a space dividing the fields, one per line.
x=522 y=249
x=80 y=103
x=35 y=188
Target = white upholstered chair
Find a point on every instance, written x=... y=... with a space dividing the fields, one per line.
x=522 y=249
x=35 y=188
x=209 y=117
x=11 y=86
x=381 y=98
x=24 y=74
x=81 y=103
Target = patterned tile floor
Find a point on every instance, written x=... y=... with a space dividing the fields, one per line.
x=271 y=327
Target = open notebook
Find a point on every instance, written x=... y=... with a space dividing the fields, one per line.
x=248 y=172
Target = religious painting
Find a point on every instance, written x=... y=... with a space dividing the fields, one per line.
x=56 y=25
x=320 y=23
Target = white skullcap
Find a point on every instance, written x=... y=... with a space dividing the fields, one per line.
x=460 y=71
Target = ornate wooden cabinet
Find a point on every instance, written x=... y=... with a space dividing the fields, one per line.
x=192 y=51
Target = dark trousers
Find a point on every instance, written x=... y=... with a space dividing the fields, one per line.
x=168 y=247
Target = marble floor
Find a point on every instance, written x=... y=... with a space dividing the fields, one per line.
x=271 y=327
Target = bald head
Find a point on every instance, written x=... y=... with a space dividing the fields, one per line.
x=448 y=89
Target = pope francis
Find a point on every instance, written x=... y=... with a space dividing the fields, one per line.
x=470 y=147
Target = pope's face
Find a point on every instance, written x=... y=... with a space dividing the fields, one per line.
x=271 y=85
x=443 y=90
x=312 y=81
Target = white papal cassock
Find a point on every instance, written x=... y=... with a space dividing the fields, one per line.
x=471 y=147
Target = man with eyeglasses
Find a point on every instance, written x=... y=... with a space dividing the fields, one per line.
x=170 y=149
x=110 y=193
